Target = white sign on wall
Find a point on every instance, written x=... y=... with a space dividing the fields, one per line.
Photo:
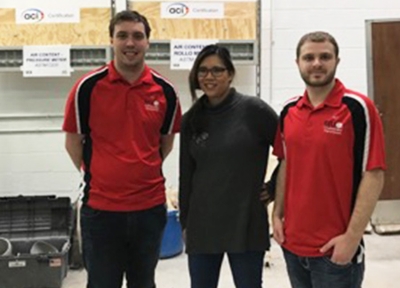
x=46 y=61
x=199 y=10
x=184 y=52
x=41 y=15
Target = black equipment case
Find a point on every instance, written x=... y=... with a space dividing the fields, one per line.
x=25 y=221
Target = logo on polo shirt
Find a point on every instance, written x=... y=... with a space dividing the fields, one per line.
x=333 y=126
x=152 y=105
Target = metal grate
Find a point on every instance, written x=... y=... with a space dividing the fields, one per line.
x=158 y=51
x=88 y=57
x=240 y=51
x=10 y=58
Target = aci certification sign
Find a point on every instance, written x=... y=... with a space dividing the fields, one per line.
x=47 y=15
x=46 y=61
x=199 y=10
x=184 y=52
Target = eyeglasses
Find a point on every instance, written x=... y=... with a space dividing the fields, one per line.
x=215 y=71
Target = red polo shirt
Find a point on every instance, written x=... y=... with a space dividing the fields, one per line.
x=327 y=149
x=123 y=124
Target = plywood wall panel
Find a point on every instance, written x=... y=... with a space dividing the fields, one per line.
x=92 y=30
x=239 y=23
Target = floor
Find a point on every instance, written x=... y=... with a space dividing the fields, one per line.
x=382 y=268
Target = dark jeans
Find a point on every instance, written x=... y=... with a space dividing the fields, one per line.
x=118 y=243
x=246 y=269
x=321 y=272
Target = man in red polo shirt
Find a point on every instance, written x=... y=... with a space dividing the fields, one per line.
x=331 y=145
x=120 y=122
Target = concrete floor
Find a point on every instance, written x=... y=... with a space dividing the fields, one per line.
x=382 y=268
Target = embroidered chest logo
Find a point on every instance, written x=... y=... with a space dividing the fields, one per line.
x=200 y=138
x=152 y=105
x=333 y=126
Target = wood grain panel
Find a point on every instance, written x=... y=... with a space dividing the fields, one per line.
x=92 y=30
x=386 y=75
x=239 y=23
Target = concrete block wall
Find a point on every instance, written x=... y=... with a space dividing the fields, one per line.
x=35 y=164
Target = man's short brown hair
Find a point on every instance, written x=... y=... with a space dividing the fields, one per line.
x=128 y=15
x=319 y=37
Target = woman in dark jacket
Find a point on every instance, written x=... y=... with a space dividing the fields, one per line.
x=225 y=141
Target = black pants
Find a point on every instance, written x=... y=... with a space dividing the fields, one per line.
x=246 y=269
x=118 y=243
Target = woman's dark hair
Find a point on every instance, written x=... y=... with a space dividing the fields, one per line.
x=197 y=124
x=129 y=16
x=221 y=52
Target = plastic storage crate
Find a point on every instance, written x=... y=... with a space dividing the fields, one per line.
x=27 y=222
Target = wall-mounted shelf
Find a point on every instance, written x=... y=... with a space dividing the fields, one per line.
x=82 y=58
x=86 y=58
x=242 y=52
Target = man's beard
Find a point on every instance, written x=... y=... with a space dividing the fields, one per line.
x=329 y=78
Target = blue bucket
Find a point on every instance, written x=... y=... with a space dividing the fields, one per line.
x=172 y=243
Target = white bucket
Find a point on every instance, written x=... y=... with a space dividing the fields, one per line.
x=5 y=247
x=42 y=247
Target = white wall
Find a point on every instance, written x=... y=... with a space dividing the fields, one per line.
x=35 y=163
x=344 y=19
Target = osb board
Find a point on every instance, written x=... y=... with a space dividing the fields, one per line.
x=91 y=30
x=239 y=23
